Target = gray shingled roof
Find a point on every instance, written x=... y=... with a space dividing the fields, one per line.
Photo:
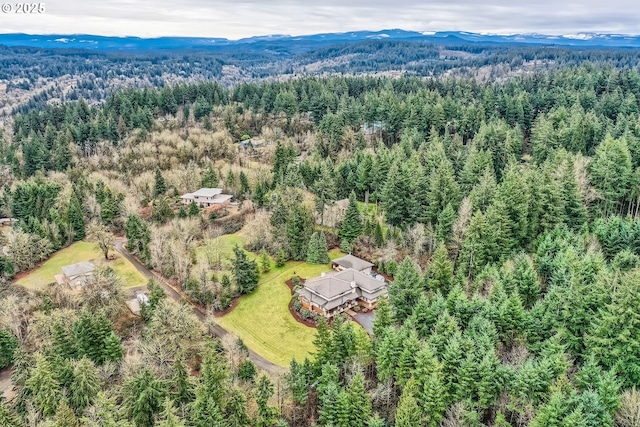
x=334 y=290
x=323 y=302
x=328 y=287
x=78 y=269
x=350 y=261
x=330 y=305
x=364 y=281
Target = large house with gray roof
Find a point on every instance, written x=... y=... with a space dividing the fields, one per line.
x=351 y=285
x=206 y=197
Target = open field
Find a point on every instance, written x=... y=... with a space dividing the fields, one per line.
x=263 y=321
x=79 y=252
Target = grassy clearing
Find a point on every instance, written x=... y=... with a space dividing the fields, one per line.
x=222 y=248
x=263 y=321
x=130 y=275
x=371 y=211
x=227 y=242
x=79 y=252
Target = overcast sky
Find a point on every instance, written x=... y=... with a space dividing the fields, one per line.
x=243 y=18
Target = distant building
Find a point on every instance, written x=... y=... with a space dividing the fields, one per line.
x=252 y=143
x=352 y=285
x=135 y=304
x=334 y=213
x=369 y=129
x=8 y=221
x=206 y=197
x=76 y=275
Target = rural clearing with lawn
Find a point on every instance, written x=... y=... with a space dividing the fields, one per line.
x=262 y=318
x=40 y=277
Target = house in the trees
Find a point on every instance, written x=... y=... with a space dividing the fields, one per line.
x=8 y=221
x=135 y=304
x=350 y=261
x=252 y=143
x=206 y=197
x=333 y=293
x=76 y=275
x=334 y=213
x=369 y=129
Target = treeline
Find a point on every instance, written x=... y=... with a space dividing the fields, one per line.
x=424 y=59
x=51 y=215
x=99 y=74
x=581 y=105
x=46 y=137
x=32 y=64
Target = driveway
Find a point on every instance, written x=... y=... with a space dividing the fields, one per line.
x=6 y=386
x=217 y=330
x=365 y=320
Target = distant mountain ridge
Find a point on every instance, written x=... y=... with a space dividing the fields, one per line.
x=286 y=44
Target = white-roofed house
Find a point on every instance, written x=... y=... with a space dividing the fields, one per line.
x=206 y=197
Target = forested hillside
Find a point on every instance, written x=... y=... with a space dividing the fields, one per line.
x=35 y=77
x=506 y=213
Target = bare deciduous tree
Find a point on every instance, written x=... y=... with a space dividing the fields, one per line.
x=102 y=237
x=14 y=314
x=104 y=291
x=160 y=252
x=415 y=239
x=259 y=232
x=460 y=226
x=628 y=414
x=175 y=328
x=580 y=168
x=182 y=260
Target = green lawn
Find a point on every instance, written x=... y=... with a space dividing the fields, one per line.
x=263 y=321
x=371 y=211
x=227 y=242
x=224 y=248
x=79 y=252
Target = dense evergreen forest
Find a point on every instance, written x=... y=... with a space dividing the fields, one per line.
x=53 y=75
x=506 y=213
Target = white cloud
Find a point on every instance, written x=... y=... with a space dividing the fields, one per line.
x=244 y=18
